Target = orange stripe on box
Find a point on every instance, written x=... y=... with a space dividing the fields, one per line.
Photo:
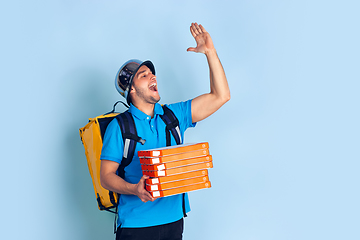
x=174 y=191
x=177 y=184
x=180 y=163
x=177 y=177
x=173 y=171
x=175 y=157
x=177 y=149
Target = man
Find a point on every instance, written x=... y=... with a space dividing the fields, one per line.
x=140 y=215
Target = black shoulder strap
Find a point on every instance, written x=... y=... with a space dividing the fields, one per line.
x=172 y=126
x=130 y=138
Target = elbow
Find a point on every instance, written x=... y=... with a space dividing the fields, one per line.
x=103 y=181
x=225 y=98
x=222 y=98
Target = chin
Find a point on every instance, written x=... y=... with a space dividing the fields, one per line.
x=156 y=100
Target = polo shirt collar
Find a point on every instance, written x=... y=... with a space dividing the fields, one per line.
x=158 y=110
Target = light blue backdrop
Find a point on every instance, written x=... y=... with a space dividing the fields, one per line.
x=285 y=148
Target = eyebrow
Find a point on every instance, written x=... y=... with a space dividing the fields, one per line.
x=138 y=73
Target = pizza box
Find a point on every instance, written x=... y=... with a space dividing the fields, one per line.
x=179 y=190
x=175 y=164
x=174 y=157
x=177 y=184
x=177 y=177
x=178 y=170
x=171 y=150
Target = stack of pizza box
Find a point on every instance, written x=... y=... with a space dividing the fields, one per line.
x=176 y=169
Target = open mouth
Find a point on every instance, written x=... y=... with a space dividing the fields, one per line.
x=153 y=87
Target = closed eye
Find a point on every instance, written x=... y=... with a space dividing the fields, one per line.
x=141 y=74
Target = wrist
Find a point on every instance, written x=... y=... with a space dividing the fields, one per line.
x=131 y=188
x=211 y=53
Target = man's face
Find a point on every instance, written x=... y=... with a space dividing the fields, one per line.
x=144 y=86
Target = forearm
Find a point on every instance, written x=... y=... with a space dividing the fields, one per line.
x=114 y=183
x=219 y=87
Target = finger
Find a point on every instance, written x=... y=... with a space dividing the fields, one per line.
x=148 y=197
x=202 y=28
x=151 y=198
x=198 y=28
x=146 y=200
x=144 y=197
x=143 y=178
x=195 y=28
x=192 y=31
x=191 y=49
x=142 y=181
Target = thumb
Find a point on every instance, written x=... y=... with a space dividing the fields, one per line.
x=143 y=178
x=191 y=49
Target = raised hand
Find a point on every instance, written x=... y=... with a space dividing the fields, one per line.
x=203 y=40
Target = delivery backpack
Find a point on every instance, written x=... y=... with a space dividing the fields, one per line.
x=92 y=135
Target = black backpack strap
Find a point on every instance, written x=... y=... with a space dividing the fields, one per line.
x=130 y=138
x=172 y=126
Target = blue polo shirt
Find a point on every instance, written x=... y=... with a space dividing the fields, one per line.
x=132 y=211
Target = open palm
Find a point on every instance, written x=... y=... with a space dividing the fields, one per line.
x=203 y=40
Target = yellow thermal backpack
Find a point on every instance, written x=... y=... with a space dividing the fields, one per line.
x=91 y=137
x=92 y=134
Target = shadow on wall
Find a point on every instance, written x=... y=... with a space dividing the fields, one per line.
x=89 y=97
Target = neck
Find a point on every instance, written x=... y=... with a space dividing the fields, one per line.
x=148 y=108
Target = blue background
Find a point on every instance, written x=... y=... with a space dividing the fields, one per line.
x=285 y=148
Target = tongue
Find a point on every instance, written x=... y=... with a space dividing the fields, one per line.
x=153 y=88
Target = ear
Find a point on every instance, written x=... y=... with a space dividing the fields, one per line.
x=132 y=89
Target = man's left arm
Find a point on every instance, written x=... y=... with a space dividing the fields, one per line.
x=205 y=105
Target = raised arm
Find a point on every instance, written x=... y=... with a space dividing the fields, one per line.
x=206 y=104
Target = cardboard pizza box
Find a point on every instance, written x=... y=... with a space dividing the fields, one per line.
x=178 y=170
x=177 y=177
x=181 y=183
x=179 y=190
x=175 y=164
x=171 y=150
x=174 y=157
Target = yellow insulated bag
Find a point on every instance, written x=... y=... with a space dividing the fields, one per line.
x=91 y=137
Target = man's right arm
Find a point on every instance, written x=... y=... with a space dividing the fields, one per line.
x=112 y=182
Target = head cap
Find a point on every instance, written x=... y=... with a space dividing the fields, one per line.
x=127 y=71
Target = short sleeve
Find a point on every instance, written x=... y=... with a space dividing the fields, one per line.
x=112 y=143
x=182 y=111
